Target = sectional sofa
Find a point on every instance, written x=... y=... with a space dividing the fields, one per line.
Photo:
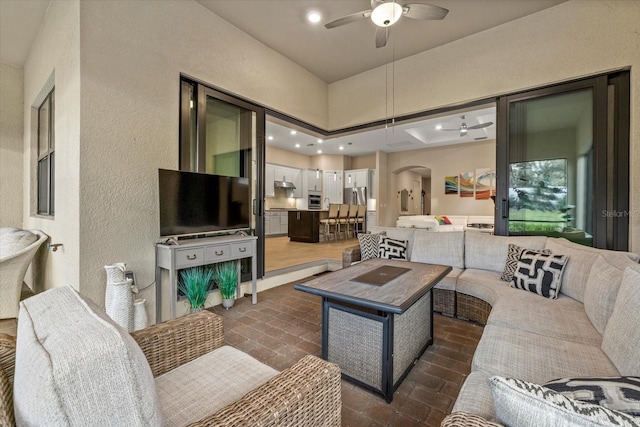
x=592 y=328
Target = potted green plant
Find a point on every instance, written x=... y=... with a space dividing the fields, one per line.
x=194 y=284
x=225 y=275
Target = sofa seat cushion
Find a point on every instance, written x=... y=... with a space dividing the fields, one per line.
x=209 y=383
x=581 y=259
x=621 y=339
x=449 y=281
x=434 y=248
x=475 y=396
x=536 y=358
x=563 y=318
x=75 y=366
x=488 y=252
x=483 y=284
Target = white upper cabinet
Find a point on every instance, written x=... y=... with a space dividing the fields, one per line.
x=357 y=178
x=332 y=187
x=269 y=178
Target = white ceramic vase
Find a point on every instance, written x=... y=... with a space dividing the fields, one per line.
x=140 y=320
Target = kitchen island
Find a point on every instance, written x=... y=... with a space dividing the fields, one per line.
x=304 y=225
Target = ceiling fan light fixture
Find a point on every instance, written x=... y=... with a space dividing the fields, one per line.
x=386 y=14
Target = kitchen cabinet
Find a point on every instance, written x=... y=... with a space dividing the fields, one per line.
x=356 y=178
x=269 y=178
x=283 y=173
x=332 y=187
x=314 y=180
x=304 y=226
x=296 y=178
x=275 y=222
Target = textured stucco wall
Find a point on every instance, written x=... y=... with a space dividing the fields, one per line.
x=55 y=59
x=132 y=54
x=571 y=40
x=11 y=110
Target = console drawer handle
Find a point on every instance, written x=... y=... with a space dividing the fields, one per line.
x=219 y=253
x=242 y=249
x=192 y=257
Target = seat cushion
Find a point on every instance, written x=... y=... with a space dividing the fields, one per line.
x=475 y=396
x=434 y=248
x=563 y=318
x=621 y=339
x=483 y=284
x=534 y=357
x=209 y=383
x=449 y=281
x=74 y=366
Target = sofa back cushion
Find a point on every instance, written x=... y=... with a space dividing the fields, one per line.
x=74 y=366
x=621 y=339
x=438 y=248
x=488 y=252
x=601 y=291
x=397 y=234
x=581 y=259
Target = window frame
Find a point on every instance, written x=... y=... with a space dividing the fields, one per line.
x=47 y=156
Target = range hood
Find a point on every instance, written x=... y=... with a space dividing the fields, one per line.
x=284 y=184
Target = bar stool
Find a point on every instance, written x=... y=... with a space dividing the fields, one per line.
x=343 y=219
x=362 y=212
x=331 y=220
x=352 y=219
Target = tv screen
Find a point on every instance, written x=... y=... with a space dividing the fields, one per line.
x=197 y=203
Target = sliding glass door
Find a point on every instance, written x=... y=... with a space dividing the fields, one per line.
x=224 y=135
x=559 y=165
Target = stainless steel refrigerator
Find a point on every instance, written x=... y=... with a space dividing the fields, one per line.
x=355 y=196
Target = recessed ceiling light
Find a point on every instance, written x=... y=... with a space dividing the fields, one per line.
x=319 y=151
x=314 y=17
x=270 y=138
x=319 y=141
x=438 y=127
x=341 y=148
x=297 y=145
x=293 y=132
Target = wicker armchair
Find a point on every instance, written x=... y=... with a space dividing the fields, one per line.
x=307 y=394
x=13 y=267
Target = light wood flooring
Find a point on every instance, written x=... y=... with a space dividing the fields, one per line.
x=281 y=253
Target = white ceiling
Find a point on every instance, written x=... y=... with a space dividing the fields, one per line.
x=401 y=137
x=345 y=51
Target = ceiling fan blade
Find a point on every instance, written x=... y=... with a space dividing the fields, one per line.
x=481 y=125
x=382 y=35
x=452 y=130
x=376 y=3
x=348 y=19
x=424 y=11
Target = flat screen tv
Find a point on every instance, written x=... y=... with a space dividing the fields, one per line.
x=197 y=203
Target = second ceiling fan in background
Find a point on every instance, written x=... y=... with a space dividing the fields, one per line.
x=386 y=13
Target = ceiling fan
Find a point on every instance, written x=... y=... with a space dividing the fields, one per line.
x=386 y=13
x=464 y=129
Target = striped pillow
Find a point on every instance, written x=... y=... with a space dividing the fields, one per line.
x=393 y=249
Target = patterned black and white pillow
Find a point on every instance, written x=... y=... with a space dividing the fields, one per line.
x=617 y=393
x=369 y=245
x=539 y=273
x=513 y=256
x=513 y=398
x=393 y=249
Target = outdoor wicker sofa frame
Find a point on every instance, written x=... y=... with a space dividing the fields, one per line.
x=306 y=394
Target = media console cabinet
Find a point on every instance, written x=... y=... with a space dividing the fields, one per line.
x=195 y=253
